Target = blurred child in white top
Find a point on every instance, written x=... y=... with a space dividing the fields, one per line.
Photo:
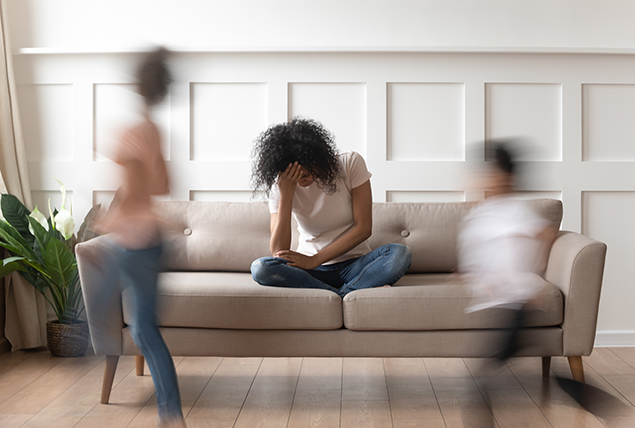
x=502 y=240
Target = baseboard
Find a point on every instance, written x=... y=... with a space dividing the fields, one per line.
x=5 y=346
x=616 y=338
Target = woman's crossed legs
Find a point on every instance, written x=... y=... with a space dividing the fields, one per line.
x=382 y=266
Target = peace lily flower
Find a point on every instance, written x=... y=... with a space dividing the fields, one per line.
x=63 y=190
x=37 y=215
x=63 y=221
x=65 y=224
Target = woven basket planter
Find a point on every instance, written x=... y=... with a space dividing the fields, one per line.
x=67 y=340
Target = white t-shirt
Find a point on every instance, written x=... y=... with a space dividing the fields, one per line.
x=322 y=218
x=497 y=244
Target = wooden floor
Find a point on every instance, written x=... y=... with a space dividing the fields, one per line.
x=37 y=390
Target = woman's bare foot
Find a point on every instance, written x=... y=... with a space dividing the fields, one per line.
x=385 y=286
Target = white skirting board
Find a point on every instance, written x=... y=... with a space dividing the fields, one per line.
x=608 y=338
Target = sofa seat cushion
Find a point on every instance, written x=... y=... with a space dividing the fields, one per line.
x=438 y=302
x=235 y=301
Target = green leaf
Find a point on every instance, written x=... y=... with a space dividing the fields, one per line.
x=39 y=252
x=16 y=214
x=8 y=268
x=39 y=270
x=32 y=277
x=55 y=234
x=59 y=262
x=13 y=241
x=42 y=237
x=11 y=260
x=11 y=248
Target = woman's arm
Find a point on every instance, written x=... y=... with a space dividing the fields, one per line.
x=363 y=217
x=280 y=232
x=281 y=221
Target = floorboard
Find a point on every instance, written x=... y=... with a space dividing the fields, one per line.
x=271 y=395
x=38 y=391
x=461 y=402
x=223 y=397
x=556 y=405
x=410 y=391
x=364 y=379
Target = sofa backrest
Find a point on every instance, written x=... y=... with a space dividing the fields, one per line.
x=430 y=229
x=229 y=236
x=214 y=236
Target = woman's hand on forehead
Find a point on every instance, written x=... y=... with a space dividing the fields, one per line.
x=288 y=179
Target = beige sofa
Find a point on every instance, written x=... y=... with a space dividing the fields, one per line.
x=210 y=306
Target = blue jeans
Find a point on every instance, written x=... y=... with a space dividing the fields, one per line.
x=382 y=266
x=139 y=269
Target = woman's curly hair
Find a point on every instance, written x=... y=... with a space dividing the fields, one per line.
x=153 y=76
x=300 y=140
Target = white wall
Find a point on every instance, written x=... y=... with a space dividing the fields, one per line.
x=411 y=114
x=310 y=23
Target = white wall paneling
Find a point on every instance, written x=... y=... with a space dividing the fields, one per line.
x=221 y=195
x=426 y=121
x=536 y=195
x=608 y=217
x=41 y=200
x=541 y=195
x=340 y=107
x=226 y=117
x=416 y=117
x=528 y=110
x=420 y=196
x=48 y=125
x=103 y=197
x=609 y=122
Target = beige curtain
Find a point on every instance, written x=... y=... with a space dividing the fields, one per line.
x=25 y=308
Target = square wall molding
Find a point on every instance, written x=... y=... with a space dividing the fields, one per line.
x=529 y=112
x=46 y=111
x=340 y=107
x=426 y=121
x=608 y=123
x=225 y=119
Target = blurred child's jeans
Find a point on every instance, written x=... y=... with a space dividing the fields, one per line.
x=139 y=270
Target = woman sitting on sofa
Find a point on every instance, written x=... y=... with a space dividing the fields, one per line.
x=328 y=193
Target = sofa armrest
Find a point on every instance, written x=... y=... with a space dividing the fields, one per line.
x=102 y=295
x=576 y=267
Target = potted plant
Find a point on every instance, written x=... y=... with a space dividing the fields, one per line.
x=41 y=250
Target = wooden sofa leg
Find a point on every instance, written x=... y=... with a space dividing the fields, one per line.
x=577 y=369
x=546 y=366
x=109 y=376
x=138 y=362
